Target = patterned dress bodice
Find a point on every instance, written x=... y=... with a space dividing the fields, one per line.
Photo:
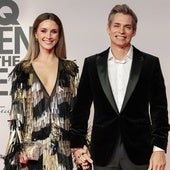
x=37 y=117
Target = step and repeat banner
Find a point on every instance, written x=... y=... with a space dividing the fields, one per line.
x=84 y=25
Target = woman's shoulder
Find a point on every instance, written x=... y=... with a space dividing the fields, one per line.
x=70 y=66
x=22 y=67
x=20 y=75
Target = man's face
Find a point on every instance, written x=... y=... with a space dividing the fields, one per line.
x=121 y=30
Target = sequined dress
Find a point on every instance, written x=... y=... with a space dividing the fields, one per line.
x=39 y=122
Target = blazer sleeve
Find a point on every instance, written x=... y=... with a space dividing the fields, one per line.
x=81 y=109
x=158 y=108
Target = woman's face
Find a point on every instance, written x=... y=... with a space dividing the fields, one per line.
x=47 y=35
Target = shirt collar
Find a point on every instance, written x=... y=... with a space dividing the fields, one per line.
x=129 y=56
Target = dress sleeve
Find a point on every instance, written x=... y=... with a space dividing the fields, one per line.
x=16 y=120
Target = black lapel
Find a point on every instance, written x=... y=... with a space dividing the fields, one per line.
x=104 y=79
x=134 y=75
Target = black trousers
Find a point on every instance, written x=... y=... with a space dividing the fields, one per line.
x=121 y=161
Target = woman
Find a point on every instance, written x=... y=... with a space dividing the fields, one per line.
x=43 y=89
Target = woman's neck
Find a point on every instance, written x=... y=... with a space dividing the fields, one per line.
x=46 y=57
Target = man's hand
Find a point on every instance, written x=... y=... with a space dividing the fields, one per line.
x=157 y=161
x=82 y=157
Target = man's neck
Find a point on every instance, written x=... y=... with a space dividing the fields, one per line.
x=120 y=52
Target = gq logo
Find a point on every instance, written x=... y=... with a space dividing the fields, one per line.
x=12 y=37
x=7 y=18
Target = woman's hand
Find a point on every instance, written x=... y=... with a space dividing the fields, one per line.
x=23 y=158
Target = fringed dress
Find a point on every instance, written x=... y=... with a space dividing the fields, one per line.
x=39 y=123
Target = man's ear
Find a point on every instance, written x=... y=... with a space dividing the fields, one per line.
x=108 y=29
x=134 y=33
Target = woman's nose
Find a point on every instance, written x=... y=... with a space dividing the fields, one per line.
x=48 y=35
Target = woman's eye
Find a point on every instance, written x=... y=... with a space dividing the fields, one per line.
x=54 y=31
x=43 y=31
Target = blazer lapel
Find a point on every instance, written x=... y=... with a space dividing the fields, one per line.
x=134 y=75
x=104 y=79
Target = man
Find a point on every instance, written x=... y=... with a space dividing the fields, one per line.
x=126 y=85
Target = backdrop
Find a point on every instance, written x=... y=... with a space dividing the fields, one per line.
x=85 y=32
